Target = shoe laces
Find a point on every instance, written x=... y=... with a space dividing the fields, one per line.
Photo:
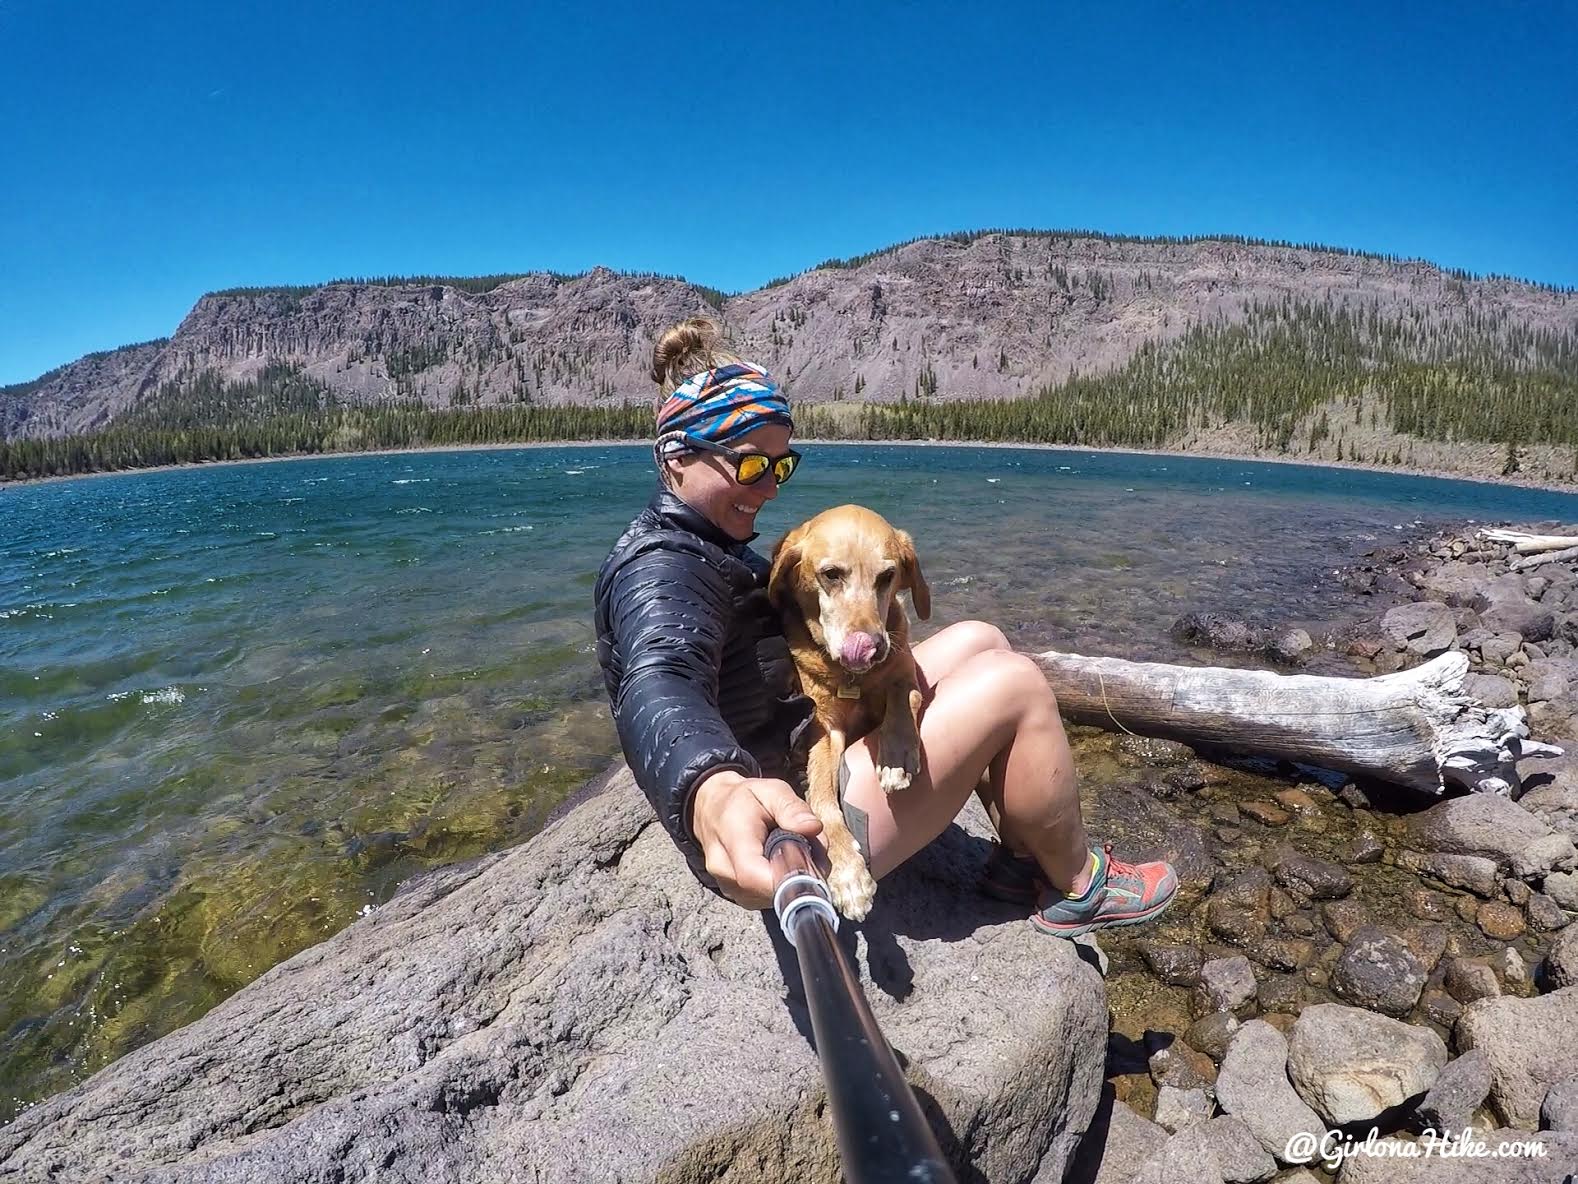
x=1115 y=865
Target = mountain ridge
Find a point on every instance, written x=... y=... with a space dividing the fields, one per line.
x=982 y=315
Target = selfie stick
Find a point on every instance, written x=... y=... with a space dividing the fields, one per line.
x=882 y=1134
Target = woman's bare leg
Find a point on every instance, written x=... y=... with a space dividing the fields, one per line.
x=990 y=711
x=937 y=657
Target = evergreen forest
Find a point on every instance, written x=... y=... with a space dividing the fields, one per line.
x=1280 y=371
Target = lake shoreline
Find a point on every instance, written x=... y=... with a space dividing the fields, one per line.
x=1400 y=470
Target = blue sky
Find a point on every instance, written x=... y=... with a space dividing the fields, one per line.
x=152 y=152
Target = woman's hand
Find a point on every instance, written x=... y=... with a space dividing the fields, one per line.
x=731 y=817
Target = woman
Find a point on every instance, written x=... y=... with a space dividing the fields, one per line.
x=709 y=715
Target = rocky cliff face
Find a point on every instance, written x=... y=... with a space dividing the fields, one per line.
x=1000 y=314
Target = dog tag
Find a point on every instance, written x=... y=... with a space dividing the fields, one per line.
x=849 y=692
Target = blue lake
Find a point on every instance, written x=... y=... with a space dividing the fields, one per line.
x=239 y=704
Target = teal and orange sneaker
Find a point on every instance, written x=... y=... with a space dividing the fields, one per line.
x=1119 y=894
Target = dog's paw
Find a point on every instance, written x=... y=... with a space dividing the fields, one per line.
x=853 y=890
x=893 y=778
x=898 y=757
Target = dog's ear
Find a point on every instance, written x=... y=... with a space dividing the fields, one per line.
x=909 y=564
x=786 y=557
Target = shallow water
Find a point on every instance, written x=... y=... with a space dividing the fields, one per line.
x=239 y=704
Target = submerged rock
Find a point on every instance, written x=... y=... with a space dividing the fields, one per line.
x=1314 y=879
x=1175 y=965
x=1226 y=984
x=1378 y=971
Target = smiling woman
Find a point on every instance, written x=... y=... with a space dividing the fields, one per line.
x=711 y=717
x=711 y=399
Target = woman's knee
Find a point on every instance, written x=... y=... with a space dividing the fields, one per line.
x=1004 y=682
x=979 y=637
x=944 y=652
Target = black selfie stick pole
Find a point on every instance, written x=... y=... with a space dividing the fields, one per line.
x=882 y=1134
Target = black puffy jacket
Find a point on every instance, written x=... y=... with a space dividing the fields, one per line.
x=695 y=661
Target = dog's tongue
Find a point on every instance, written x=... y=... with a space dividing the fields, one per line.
x=858 y=650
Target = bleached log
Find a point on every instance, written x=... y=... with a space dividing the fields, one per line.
x=1539 y=560
x=1528 y=544
x=1414 y=728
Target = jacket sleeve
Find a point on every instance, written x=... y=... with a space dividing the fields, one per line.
x=668 y=614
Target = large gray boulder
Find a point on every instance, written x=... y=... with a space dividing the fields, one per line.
x=1504 y=607
x=1118 y=1142
x=1559 y=1111
x=1550 y=788
x=1532 y=1044
x=1551 y=678
x=1561 y=961
x=1253 y=1086
x=1562 y=887
x=1350 y=1064
x=1186 y=1158
x=1492 y=690
x=1455 y=582
x=1459 y=1090
x=1177 y=1108
x=1239 y=1155
x=580 y=1009
x=1424 y=628
x=1484 y=824
x=1222 y=1149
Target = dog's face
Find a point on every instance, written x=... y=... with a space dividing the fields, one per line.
x=842 y=569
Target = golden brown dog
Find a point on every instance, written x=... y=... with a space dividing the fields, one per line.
x=836 y=580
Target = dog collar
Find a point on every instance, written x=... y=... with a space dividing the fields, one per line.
x=849 y=691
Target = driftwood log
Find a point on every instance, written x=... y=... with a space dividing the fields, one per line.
x=1540 y=559
x=1415 y=728
x=1530 y=544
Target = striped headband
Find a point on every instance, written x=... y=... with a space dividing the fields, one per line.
x=720 y=405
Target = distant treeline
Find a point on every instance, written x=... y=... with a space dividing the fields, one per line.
x=1283 y=371
x=284 y=413
x=475 y=285
x=966 y=237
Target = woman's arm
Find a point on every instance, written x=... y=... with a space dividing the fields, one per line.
x=668 y=613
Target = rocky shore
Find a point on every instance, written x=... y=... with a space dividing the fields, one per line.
x=1344 y=959
x=1358 y=957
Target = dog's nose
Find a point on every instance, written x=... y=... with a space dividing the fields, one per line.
x=883 y=645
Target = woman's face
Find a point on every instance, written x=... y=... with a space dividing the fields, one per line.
x=706 y=482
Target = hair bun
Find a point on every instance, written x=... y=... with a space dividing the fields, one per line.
x=684 y=349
